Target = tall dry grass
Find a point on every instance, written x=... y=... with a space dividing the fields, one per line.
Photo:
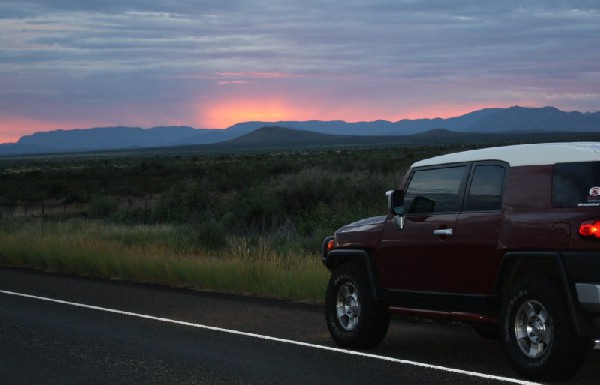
x=164 y=254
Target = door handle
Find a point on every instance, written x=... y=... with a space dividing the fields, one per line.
x=446 y=232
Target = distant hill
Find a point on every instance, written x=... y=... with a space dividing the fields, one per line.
x=280 y=138
x=486 y=121
x=275 y=135
x=107 y=138
x=513 y=119
x=378 y=127
x=547 y=119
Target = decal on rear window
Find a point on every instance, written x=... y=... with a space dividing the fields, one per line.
x=594 y=198
x=576 y=184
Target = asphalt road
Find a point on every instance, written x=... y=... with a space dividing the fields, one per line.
x=69 y=330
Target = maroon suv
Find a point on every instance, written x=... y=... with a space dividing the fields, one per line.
x=504 y=238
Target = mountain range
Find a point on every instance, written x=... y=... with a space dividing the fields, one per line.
x=486 y=121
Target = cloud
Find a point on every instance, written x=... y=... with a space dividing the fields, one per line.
x=382 y=55
x=402 y=38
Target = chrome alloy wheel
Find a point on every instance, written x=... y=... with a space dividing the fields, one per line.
x=533 y=329
x=348 y=306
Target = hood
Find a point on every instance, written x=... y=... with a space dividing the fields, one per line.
x=366 y=223
x=365 y=233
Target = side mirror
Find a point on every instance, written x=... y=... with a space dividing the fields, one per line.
x=395 y=200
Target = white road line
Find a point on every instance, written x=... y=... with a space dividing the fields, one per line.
x=280 y=340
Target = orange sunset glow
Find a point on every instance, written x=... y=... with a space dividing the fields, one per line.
x=221 y=114
x=226 y=113
x=13 y=128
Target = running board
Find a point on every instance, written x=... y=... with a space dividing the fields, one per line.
x=459 y=316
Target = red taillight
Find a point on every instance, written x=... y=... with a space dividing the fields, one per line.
x=590 y=229
x=330 y=245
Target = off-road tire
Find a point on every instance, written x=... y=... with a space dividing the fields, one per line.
x=536 y=331
x=355 y=319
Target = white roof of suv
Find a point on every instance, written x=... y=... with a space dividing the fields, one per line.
x=524 y=154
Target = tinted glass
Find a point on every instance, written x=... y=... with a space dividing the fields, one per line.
x=576 y=184
x=485 y=192
x=434 y=191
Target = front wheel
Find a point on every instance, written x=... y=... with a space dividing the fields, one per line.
x=355 y=319
x=537 y=333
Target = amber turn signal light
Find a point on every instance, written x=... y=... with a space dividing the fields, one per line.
x=330 y=245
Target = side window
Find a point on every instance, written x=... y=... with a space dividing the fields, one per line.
x=576 y=184
x=434 y=190
x=485 y=192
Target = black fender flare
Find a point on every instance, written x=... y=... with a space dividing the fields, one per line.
x=513 y=261
x=336 y=257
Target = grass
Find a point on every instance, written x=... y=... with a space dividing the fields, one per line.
x=164 y=254
x=239 y=223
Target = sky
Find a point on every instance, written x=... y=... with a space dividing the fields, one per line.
x=68 y=64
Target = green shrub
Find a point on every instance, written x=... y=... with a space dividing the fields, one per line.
x=103 y=206
x=209 y=235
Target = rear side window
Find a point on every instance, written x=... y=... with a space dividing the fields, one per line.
x=485 y=192
x=576 y=184
x=434 y=190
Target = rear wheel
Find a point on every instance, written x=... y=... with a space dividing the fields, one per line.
x=355 y=319
x=537 y=333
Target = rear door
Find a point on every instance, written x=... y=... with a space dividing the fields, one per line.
x=476 y=235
